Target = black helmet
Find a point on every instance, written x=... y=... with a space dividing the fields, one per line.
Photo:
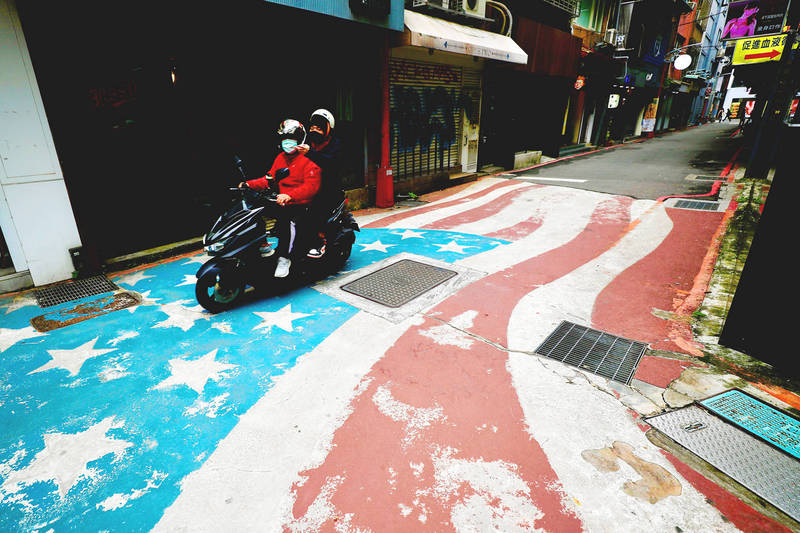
x=292 y=129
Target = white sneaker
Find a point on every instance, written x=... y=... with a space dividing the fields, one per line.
x=266 y=250
x=282 y=269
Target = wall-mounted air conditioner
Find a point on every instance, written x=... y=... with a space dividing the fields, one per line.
x=611 y=36
x=474 y=7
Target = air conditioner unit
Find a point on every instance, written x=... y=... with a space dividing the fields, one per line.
x=611 y=36
x=475 y=7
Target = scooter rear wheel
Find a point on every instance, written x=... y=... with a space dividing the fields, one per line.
x=214 y=297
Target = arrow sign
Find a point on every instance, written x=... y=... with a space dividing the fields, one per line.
x=772 y=54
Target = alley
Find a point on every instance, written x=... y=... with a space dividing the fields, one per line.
x=321 y=411
x=647 y=170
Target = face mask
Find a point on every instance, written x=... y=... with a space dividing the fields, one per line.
x=289 y=145
x=315 y=137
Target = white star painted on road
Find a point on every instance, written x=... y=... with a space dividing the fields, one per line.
x=281 y=319
x=65 y=458
x=452 y=246
x=72 y=360
x=181 y=316
x=377 y=246
x=188 y=279
x=409 y=234
x=9 y=337
x=195 y=373
x=19 y=302
x=146 y=300
x=133 y=279
x=199 y=258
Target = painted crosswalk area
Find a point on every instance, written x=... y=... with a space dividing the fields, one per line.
x=307 y=413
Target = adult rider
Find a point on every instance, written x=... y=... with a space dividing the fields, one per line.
x=324 y=149
x=295 y=191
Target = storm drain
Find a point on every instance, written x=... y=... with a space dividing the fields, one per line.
x=399 y=283
x=73 y=290
x=598 y=352
x=696 y=205
x=761 y=468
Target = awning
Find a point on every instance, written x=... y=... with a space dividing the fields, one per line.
x=430 y=32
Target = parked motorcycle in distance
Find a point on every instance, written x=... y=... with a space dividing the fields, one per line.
x=234 y=240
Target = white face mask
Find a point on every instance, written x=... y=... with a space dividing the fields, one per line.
x=289 y=145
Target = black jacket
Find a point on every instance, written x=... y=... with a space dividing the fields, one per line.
x=329 y=160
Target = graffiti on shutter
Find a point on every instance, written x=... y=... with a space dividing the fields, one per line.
x=425 y=114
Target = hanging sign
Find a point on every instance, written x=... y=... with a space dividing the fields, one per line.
x=751 y=18
x=758 y=49
x=613 y=101
x=580 y=82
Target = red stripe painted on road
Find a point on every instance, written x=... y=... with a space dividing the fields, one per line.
x=481 y=212
x=391 y=219
x=497 y=295
x=517 y=231
x=663 y=281
x=437 y=427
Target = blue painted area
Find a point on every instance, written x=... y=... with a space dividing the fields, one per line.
x=758 y=418
x=160 y=427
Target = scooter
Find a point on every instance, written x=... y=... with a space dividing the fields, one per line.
x=234 y=243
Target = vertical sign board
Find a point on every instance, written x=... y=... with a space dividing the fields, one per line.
x=649 y=119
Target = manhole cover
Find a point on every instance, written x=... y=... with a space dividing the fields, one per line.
x=697 y=205
x=598 y=352
x=73 y=290
x=761 y=468
x=399 y=283
x=84 y=311
x=758 y=418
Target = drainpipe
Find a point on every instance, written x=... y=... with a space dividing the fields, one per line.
x=384 y=188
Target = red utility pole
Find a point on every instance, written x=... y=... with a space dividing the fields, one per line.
x=384 y=187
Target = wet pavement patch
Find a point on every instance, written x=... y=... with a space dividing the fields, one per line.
x=763 y=469
x=85 y=309
x=72 y=290
x=601 y=353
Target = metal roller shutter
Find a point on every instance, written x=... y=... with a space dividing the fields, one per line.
x=425 y=103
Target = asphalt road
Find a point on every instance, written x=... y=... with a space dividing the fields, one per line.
x=650 y=169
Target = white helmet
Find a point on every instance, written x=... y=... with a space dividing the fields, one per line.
x=324 y=113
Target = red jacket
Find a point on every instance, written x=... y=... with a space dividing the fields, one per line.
x=301 y=184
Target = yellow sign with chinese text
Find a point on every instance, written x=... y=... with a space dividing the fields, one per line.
x=759 y=49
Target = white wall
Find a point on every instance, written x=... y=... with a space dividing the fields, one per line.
x=35 y=211
x=735 y=92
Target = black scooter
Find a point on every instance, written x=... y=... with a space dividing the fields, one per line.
x=234 y=241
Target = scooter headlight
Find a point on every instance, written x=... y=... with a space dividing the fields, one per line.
x=215 y=247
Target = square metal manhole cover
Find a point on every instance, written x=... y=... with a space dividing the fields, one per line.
x=697 y=205
x=399 y=283
x=764 y=470
x=598 y=352
x=73 y=290
x=758 y=418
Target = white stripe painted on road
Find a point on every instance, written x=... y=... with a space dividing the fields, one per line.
x=559 y=226
x=537 y=178
x=572 y=297
x=430 y=217
x=248 y=479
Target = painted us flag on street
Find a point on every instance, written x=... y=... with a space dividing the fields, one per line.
x=101 y=420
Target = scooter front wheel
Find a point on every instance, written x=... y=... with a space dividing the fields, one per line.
x=214 y=296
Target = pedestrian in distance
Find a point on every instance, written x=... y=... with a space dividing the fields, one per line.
x=728 y=114
x=295 y=192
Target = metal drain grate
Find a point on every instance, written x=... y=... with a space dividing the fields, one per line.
x=758 y=418
x=73 y=290
x=764 y=470
x=697 y=204
x=596 y=351
x=399 y=283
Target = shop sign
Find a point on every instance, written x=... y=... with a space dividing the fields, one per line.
x=753 y=18
x=758 y=49
x=383 y=13
x=613 y=101
x=649 y=119
x=580 y=82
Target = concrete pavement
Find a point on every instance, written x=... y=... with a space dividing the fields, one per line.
x=315 y=412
